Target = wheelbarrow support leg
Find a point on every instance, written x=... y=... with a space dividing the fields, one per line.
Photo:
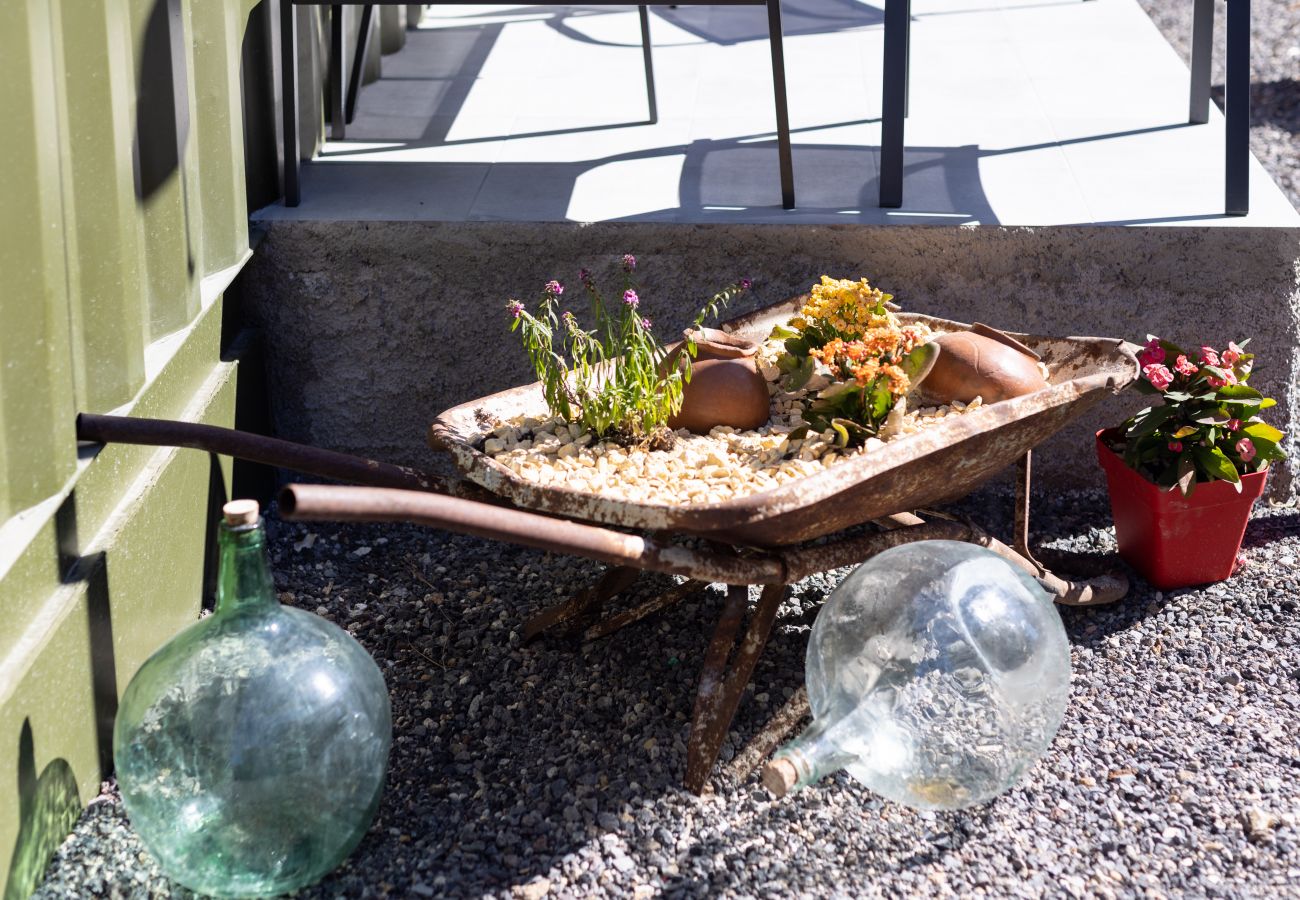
x=576 y=612
x=718 y=696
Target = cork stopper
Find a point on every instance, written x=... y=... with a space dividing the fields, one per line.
x=240 y=512
x=780 y=777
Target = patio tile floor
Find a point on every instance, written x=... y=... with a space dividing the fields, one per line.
x=1022 y=113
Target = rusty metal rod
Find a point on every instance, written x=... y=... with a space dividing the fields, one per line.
x=256 y=448
x=316 y=502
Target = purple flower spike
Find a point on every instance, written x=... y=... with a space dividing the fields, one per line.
x=515 y=308
x=554 y=288
x=630 y=298
x=645 y=323
x=584 y=275
x=746 y=284
x=629 y=262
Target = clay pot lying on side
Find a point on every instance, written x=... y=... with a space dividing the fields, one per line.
x=974 y=365
x=726 y=387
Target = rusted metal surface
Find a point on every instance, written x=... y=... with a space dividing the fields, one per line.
x=1020 y=537
x=317 y=502
x=575 y=613
x=720 y=689
x=777 y=730
x=256 y=448
x=931 y=467
x=636 y=614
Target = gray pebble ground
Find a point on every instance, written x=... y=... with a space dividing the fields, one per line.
x=541 y=770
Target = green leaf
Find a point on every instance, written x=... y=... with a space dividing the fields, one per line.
x=799 y=377
x=783 y=332
x=1266 y=403
x=917 y=364
x=881 y=400
x=1216 y=464
x=1184 y=432
x=1239 y=393
x=797 y=346
x=1263 y=431
x=1148 y=420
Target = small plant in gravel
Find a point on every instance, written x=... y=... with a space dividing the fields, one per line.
x=1206 y=426
x=614 y=379
x=867 y=360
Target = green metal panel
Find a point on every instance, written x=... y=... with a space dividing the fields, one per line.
x=126 y=597
x=122 y=222
x=105 y=279
x=218 y=28
x=163 y=140
x=37 y=452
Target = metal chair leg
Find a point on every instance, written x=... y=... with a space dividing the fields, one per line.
x=1198 y=109
x=337 y=127
x=776 y=41
x=644 y=14
x=289 y=102
x=894 y=103
x=359 y=61
x=1237 y=89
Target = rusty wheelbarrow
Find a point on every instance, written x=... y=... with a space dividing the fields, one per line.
x=772 y=539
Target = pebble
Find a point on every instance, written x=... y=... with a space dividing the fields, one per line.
x=698 y=469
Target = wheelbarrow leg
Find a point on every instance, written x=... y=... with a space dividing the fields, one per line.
x=577 y=610
x=718 y=695
x=1024 y=476
x=669 y=598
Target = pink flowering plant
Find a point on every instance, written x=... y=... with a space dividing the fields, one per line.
x=614 y=378
x=1206 y=426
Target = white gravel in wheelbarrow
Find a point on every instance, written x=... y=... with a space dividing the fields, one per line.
x=554 y=770
x=701 y=468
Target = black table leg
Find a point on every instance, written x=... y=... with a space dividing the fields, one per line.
x=894 y=103
x=1237 y=89
x=644 y=14
x=775 y=40
x=359 y=61
x=1198 y=110
x=289 y=102
x=337 y=126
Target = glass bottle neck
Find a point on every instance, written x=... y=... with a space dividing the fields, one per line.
x=243 y=574
x=813 y=755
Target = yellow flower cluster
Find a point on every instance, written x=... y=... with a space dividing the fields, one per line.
x=849 y=307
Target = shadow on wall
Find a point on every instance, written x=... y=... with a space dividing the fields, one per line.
x=48 y=807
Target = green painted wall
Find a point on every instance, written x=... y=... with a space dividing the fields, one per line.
x=124 y=221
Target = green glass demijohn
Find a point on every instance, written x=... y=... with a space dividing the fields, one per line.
x=251 y=749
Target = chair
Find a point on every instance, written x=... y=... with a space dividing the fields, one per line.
x=898 y=16
x=342 y=98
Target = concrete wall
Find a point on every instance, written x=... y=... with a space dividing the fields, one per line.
x=374 y=327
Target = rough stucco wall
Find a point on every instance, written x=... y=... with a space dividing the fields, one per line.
x=374 y=327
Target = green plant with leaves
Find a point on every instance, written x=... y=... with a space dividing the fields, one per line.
x=1207 y=425
x=846 y=333
x=615 y=379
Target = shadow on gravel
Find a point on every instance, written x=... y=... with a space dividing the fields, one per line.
x=1271 y=102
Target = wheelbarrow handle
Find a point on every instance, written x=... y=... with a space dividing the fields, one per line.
x=257 y=448
x=318 y=502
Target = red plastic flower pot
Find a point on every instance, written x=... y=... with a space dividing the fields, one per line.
x=1177 y=541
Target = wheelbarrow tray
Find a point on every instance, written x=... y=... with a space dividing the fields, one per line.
x=938 y=464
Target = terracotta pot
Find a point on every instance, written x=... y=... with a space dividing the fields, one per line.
x=982 y=364
x=1177 y=541
x=726 y=387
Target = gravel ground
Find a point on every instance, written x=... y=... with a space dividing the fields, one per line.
x=544 y=770
x=528 y=770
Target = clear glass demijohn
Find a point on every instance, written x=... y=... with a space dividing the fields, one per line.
x=251 y=749
x=937 y=674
